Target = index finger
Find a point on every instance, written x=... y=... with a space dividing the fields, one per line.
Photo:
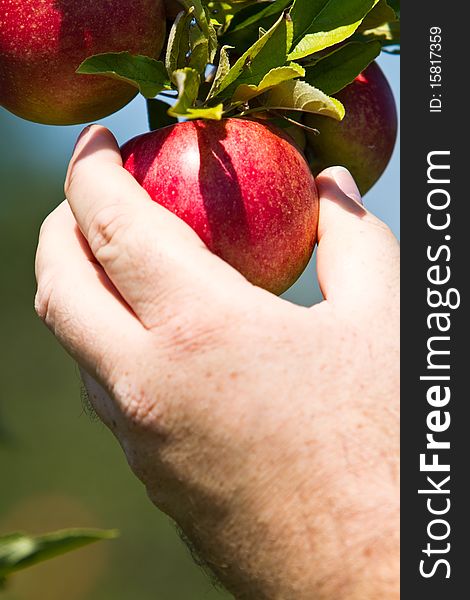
x=151 y=256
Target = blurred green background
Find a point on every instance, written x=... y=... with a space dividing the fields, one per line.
x=58 y=469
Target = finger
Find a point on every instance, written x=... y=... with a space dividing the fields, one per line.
x=358 y=256
x=150 y=255
x=78 y=302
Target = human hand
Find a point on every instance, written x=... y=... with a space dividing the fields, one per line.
x=268 y=431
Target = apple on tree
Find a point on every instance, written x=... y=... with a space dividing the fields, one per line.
x=43 y=42
x=364 y=141
x=241 y=185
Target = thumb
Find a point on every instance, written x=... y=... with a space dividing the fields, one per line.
x=358 y=256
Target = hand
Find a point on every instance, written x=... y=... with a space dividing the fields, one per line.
x=268 y=431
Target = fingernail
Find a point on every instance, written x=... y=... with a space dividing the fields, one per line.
x=81 y=136
x=345 y=181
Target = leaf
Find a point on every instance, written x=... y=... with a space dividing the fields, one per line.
x=198 y=48
x=319 y=24
x=178 y=44
x=299 y=95
x=192 y=41
x=387 y=34
x=214 y=113
x=274 y=77
x=379 y=15
x=244 y=28
x=222 y=13
x=395 y=4
x=268 y=52
x=148 y=75
x=222 y=70
x=187 y=81
x=254 y=13
x=339 y=68
x=19 y=550
x=203 y=20
x=158 y=114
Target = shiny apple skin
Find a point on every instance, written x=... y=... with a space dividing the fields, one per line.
x=243 y=186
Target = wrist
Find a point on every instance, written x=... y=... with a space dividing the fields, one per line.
x=270 y=550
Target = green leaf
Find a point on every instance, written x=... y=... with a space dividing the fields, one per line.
x=319 y=24
x=274 y=77
x=178 y=44
x=395 y=4
x=192 y=41
x=187 y=81
x=148 y=75
x=158 y=114
x=253 y=14
x=244 y=28
x=222 y=71
x=222 y=13
x=200 y=13
x=299 y=95
x=214 y=113
x=19 y=550
x=268 y=52
x=387 y=34
x=381 y=13
x=339 y=68
x=198 y=48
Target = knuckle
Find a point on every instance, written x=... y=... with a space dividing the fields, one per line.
x=107 y=228
x=45 y=303
x=42 y=301
x=142 y=406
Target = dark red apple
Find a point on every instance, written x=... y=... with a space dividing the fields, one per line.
x=243 y=187
x=42 y=42
x=363 y=142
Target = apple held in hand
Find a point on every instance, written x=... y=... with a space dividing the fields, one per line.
x=243 y=187
x=42 y=43
x=363 y=142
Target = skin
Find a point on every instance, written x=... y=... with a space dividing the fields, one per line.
x=243 y=187
x=364 y=141
x=268 y=431
x=43 y=43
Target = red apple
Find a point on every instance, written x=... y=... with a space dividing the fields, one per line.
x=42 y=42
x=243 y=187
x=363 y=142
